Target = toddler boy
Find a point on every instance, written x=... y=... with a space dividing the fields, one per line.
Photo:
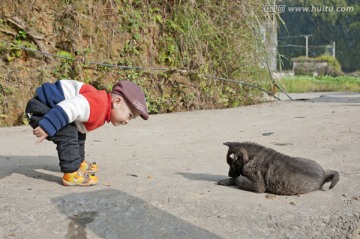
x=65 y=111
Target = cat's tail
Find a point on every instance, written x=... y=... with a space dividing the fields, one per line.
x=333 y=177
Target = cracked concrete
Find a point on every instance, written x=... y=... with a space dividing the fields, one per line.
x=158 y=177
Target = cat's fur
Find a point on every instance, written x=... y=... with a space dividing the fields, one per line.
x=256 y=168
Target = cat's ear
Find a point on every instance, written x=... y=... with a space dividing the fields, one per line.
x=229 y=144
x=245 y=155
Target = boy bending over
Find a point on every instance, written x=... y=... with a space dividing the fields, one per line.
x=65 y=111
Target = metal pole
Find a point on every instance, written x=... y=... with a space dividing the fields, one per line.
x=307 y=45
x=334 y=49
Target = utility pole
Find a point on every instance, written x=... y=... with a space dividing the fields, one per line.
x=307 y=45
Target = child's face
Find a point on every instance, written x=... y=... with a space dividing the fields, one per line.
x=121 y=113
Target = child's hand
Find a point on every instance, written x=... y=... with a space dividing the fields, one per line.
x=40 y=133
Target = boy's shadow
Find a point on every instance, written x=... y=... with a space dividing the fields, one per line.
x=30 y=166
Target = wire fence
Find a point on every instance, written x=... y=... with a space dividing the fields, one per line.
x=314 y=50
x=124 y=67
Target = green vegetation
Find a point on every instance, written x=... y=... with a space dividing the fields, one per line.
x=202 y=37
x=333 y=69
x=15 y=50
x=339 y=23
x=65 y=68
x=301 y=84
x=334 y=65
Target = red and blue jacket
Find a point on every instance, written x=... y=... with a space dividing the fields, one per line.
x=73 y=101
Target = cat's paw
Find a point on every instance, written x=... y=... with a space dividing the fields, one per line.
x=224 y=182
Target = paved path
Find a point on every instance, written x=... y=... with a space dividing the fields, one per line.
x=158 y=177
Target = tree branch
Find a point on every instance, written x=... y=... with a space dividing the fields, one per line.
x=19 y=23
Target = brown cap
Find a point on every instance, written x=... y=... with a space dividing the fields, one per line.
x=133 y=95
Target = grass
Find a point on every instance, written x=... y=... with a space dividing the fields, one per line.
x=301 y=84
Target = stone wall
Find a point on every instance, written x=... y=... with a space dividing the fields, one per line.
x=310 y=67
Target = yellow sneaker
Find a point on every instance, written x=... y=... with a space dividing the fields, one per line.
x=80 y=178
x=89 y=167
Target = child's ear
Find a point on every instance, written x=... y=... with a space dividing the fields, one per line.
x=116 y=101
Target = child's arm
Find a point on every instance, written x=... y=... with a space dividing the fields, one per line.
x=64 y=113
x=40 y=133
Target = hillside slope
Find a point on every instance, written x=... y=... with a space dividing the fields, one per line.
x=215 y=38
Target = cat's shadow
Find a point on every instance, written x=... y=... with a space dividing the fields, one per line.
x=202 y=176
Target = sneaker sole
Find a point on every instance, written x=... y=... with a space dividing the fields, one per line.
x=66 y=183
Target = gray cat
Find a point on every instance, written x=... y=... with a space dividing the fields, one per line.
x=259 y=169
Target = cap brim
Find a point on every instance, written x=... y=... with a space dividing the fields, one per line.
x=144 y=117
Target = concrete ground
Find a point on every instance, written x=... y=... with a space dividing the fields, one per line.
x=158 y=177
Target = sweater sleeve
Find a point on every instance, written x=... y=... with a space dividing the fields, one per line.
x=64 y=113
x=50 y=94
x=54 y=120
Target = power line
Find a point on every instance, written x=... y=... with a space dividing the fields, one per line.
x=307 y=47
x=301 y=46
x=289 y=45
x=140 y=68
x=292 y=36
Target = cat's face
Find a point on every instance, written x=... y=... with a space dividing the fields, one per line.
x=236 y=158
x=235 y=163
